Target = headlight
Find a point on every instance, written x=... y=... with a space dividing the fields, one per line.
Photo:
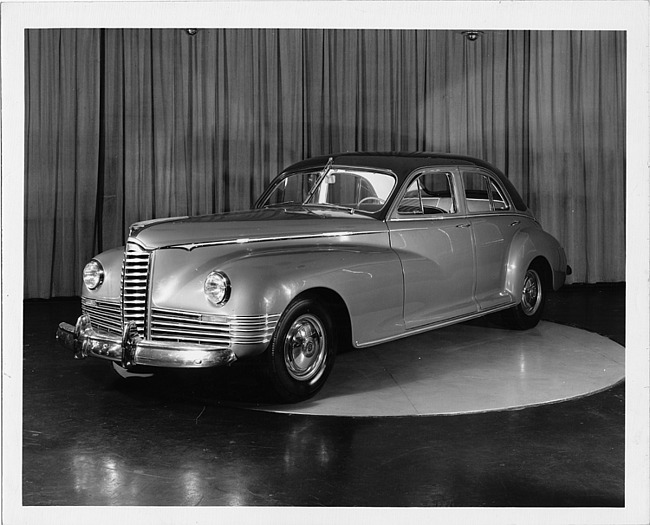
x=217 y=287
x=93 y=274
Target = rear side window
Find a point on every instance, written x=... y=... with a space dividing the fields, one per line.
x=499 y=202
x=482 y=194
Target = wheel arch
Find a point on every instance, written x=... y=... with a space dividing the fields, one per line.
x=337 y=308
x=541 y=264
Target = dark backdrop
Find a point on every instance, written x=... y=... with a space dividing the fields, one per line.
x=124 y=125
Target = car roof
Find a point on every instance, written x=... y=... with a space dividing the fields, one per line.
x=402 y=164
x=399 y=163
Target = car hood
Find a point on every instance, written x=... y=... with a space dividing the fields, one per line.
x=252 y=225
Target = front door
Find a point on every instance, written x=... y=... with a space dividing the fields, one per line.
x=434 y=245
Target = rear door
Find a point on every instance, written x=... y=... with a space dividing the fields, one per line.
x=434 y=244
x=494 y=225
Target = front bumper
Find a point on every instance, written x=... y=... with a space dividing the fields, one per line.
x=131 y=350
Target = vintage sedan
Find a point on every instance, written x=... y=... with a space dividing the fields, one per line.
x=354 y=249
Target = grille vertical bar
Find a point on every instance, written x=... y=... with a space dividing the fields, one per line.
x=135 y=287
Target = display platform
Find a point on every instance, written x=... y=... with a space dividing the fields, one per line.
x=466 y=368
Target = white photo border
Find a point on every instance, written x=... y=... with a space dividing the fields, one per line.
x=623 y=15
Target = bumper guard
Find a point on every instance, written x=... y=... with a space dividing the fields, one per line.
x=131 y=349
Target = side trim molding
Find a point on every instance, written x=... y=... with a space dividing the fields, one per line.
x=433 y=326
x=249 y=240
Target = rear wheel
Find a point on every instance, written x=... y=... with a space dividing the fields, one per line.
x=302 y=351
x=531 y=306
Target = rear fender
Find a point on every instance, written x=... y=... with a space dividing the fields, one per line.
x=528 y=245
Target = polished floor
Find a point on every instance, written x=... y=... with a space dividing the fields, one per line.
x=179 y=439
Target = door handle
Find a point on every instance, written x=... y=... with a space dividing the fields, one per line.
x=514 y=223
x=463 y=225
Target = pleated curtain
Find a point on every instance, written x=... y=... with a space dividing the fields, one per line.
x=125 y=125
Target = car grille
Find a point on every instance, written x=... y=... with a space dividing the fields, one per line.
x=193 y=327
x=104 y=315
x=135 y=287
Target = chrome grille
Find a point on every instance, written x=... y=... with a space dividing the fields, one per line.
x=104 y=315
x=193 y=327
x=135 y=287
x=252 y=330
x=169 y=325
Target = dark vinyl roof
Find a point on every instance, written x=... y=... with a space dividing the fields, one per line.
x=399 y=163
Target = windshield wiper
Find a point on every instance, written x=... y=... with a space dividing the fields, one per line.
x=321 y=177
x=280 y=204
x=331 y=206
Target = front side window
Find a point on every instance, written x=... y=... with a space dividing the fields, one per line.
x=428 y=194
x=363 y=191
x=482 y=194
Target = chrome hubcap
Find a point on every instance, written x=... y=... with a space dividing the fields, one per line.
x=531 y=295
x=305 y=348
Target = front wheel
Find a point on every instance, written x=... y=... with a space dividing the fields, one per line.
x=531 y=306
x=302 y=351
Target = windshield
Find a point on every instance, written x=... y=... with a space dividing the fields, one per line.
x=356 y=190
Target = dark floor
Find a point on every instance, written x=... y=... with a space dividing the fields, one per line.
x=93 y=439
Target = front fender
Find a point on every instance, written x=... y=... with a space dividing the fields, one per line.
x=369 y=282
x=265 y=278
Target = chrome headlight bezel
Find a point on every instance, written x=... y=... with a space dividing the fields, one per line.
x=93 y=274
x=216 y=288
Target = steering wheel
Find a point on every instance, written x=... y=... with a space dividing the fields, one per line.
x=371 y=198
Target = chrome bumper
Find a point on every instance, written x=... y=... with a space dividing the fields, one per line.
x=131 y=350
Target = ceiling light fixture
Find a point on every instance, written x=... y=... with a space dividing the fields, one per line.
x=472 y=35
